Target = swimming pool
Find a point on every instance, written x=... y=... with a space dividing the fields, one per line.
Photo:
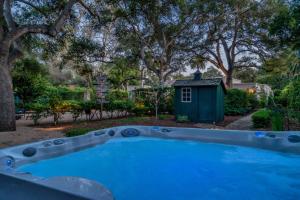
x=170 y=163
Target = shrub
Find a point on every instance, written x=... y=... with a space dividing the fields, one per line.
x=87 y=106
x=182 y=118
x=263 y=101
x=252 y=101
x=120 y=106
x=67 y=93
x=75 y=107
x=236 y=102
x=261 y=118
x=277 y=121
x=146 y=96
x=140 y=109
x=78 y=131
x=58 y=109
x=117 y=95
x=163 y=117
x=39 y=110
x=292 y=93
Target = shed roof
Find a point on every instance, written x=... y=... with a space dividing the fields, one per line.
x=201 y=82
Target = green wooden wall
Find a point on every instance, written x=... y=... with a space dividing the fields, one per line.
x=207 y=104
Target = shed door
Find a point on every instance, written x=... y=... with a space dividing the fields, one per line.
x=206 y=104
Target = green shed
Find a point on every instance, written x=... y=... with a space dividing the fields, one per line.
x=202 y=100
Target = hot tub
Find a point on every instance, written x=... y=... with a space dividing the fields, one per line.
x=140 y=162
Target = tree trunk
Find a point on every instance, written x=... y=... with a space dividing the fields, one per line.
x=7 y=103
x=228 y=82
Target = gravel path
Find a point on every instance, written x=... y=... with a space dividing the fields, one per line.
x=243 y=123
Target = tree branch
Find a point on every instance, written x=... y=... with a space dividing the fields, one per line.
x=93 y=13
x=8 y=16
x=51 y=30
x=33 y=6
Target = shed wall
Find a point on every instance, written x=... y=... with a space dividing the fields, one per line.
x=205 y=106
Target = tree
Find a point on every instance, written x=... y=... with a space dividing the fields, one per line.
x=278 y=70
x=19 y=19
x=212 y=72
x=153 y=31
x=123 y=72
x=235 y=32
x=29 y=79
x=246 y=75
x=285 y=25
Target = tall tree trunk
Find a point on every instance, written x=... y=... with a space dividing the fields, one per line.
x=228 y=76
x=7 y=103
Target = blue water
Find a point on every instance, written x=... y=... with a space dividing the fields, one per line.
x=154 y=169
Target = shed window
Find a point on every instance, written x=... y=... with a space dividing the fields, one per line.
x=186 y=95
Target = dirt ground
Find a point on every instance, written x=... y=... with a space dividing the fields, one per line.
x=27 y=133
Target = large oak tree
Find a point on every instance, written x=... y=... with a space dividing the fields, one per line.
x=235 y=34
x=155 y=32
x=18 y=20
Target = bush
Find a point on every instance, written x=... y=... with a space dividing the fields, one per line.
x=292 y=94
x=236 y=102
x=117 y=95
x=261 y=118
x=87 y=106
x=163 y=117
x=67 y=93
x=182 y=118
x=78 y=131
x=120 y=106
x=166 y=104
x=39 y=109
x=75 y=107
x=263 y=101
x=252 y=101
x=277 y=121
x=140 y=109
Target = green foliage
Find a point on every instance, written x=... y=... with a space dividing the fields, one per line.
x=212 y=73
x=279 y=70
x=123 y=72
x=292 y=93
x=140 y=109
x=236 y=102
x=182 y=118
x=121 y=105
x=117 y=95
x=87 y=106
x=252 y=101
x=261 y=118
x=78 y=131
x=146 y=96
x=29 y=79
x=39 y=110
x=67 y=93
x=285 y=24
x=263 y=101
x=163 y=117
x=75 y=107
x=277 y=121
x=246 y=75
x=290 y=97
